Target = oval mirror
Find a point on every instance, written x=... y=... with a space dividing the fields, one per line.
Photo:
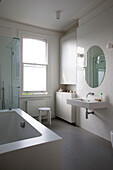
x=95 y=66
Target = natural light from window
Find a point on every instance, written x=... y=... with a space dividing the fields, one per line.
x=34 y=65
x=34 y=51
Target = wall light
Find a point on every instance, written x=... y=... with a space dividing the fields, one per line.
x=80 y=55
x=80 y=52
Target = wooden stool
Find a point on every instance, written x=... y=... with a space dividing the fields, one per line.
x=40 y=110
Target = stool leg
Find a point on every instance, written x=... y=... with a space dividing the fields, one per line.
x=50 y=117
x=40 y=116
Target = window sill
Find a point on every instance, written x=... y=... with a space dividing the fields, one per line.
x=34 y=96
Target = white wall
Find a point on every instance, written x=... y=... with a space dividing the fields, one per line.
x=13 y=29
x=97 y=29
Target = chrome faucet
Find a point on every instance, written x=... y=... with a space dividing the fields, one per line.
x=89 y=94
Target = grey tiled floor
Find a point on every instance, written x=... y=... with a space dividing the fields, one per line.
x=82 y=150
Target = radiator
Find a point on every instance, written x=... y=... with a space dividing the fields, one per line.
x=33 y=105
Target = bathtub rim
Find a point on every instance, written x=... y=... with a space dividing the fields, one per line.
x=47 y=134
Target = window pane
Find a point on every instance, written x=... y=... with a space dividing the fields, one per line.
x=34 y=51
x=34 y=78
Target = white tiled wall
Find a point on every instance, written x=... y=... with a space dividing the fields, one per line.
x=97 y=30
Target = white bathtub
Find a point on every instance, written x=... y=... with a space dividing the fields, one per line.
x=27 y=144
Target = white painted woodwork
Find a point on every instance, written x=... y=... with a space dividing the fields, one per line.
x=68 y=59
x=63 y=110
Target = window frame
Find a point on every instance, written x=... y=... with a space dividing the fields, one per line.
x=32 y=93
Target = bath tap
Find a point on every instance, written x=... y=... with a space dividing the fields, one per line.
x=22 y=124
x=89 y=94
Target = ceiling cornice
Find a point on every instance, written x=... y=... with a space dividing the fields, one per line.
x=72 y=27
x=30 y=25
x=87 y=10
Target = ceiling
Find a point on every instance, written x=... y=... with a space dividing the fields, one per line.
x=42 y=13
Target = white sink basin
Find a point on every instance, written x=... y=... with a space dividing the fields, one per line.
x=87 y=103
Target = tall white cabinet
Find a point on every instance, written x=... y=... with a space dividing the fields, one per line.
x=63 y=110
x=68 y=59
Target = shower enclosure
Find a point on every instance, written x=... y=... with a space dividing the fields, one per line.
x=9 y=72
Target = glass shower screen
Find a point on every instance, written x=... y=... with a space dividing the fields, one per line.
x=9 y=72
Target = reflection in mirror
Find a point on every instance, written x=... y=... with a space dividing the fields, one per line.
x=95 y=66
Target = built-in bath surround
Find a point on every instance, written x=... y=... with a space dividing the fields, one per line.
x=24 y=142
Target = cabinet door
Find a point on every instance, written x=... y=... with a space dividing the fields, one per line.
x=68 y=59
x=59 y=104
x=67 y=109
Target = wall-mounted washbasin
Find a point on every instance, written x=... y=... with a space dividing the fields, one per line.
x=87 y=103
